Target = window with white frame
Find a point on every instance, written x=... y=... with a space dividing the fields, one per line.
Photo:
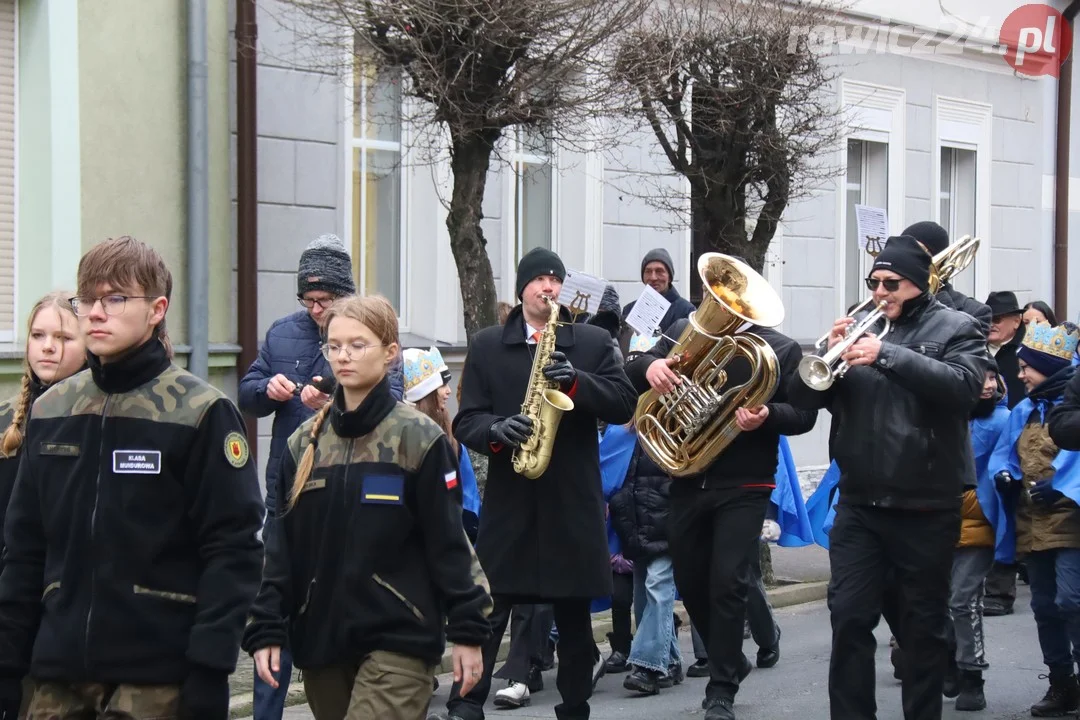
x=956 y=204
x=866 y=183
x=530 y=222
x=376 y=178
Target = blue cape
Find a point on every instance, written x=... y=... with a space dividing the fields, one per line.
x=791 y=515
x=985 y=433
x=616 y=450
x=470 y=494
x=821 y=507
x=1066 y=479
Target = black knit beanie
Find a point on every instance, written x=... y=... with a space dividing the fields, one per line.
x=904 y=256
x=537 y=262
x=930 y=234
x=324 y=265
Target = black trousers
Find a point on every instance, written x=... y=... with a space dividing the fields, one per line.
x=530 y=628
x=622 y=600
x=711 y=534
x=577 y=654
x=867 y=543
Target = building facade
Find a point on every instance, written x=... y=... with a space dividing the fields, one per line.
x=93 y=126
x=956 y=137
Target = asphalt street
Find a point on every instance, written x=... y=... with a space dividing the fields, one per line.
x=798 y=686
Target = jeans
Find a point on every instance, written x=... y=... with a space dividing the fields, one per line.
x=865 y=543
x=269 y=703
x=758 y=610
x=969 y=569
x=655 y=645
x=1054 y=577
x=530 y=628
x=622 y=599
x=1001 y=586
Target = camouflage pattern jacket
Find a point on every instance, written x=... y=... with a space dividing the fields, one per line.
x=373 y=555
x=132 y=548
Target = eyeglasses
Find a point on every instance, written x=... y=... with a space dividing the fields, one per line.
x=331 y=351
x=111 y=304
x=309 y=303
x=891 y=285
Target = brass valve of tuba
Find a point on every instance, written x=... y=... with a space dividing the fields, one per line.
x=685 y=430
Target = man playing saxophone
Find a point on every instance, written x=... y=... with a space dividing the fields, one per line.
x=542 y=539
x=900 y=414
x=716 y=516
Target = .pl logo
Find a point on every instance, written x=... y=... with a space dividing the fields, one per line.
x=1037 y=39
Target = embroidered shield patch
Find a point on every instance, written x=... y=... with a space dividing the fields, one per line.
x=236 y=449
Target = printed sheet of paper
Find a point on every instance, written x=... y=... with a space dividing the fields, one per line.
x=581 y=292
x=873 y=226
x=648 y=311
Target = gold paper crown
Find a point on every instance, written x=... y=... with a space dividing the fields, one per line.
x=1057 y=341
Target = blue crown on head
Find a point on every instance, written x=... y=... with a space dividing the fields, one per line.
x=1059 y=341
x=642 y=343
x=423 y=372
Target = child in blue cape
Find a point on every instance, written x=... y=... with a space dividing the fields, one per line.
x=1040 y=488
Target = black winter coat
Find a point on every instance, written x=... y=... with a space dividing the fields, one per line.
x=751 y=457
x=543 y=538
x=1065 y=418
x=901 y=425
x=959 y=301
x=639 y=510
x=1009 y=368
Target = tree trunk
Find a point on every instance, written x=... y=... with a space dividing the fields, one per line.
x=469 y=161
x=718 y=226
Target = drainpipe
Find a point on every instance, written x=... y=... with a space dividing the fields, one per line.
x=1061 y=176
x=247 y=272
x=198 y=215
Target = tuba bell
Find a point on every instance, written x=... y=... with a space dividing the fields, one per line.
x=685 y=430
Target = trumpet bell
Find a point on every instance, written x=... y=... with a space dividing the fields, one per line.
x=816 y=373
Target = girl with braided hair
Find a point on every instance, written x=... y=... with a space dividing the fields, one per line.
x=368 y=570
x=54 y=351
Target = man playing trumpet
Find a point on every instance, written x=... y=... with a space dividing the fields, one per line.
x=901 y=415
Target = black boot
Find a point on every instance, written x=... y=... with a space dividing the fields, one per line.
x=951 y=688
x=535 y=680
x=896 y=655
x=616 y=661
x=1062 y=698
x=971 y=697
x=643 y=680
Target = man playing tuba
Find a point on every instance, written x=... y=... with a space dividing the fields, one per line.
x=716 y=517
x=542 y=540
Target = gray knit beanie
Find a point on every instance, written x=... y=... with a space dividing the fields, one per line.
x=324 y=265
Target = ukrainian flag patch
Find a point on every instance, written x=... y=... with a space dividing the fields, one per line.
x=383 y=489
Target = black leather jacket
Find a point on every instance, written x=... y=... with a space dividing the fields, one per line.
x=1065 y=418
x=901 y=425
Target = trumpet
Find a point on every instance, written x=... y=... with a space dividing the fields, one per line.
x=820 y=372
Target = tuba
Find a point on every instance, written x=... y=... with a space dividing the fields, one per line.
x=544 y=404
x=685 y=430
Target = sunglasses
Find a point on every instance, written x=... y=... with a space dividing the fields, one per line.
x=891 y=285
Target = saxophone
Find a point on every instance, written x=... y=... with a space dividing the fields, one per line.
x=544 y=404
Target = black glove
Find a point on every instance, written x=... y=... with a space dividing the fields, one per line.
x=511 y=431
x=1006 y=484
x=1043 y=494
x=10 y=698
x=560 y=370
x=204 y=695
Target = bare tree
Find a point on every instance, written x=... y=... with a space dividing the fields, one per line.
x=741 y=106
x=481 y=67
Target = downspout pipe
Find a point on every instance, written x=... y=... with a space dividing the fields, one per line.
x=1061 y=175
x=247 y=273
x=198 y=196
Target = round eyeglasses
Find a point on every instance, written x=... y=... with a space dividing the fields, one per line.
x=353 y=349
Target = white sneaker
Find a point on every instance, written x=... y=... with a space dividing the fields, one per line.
x=514 y=695
x=598 y=669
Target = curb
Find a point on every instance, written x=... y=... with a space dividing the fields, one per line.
x=240 y=706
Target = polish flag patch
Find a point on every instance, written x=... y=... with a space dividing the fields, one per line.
x=451 y=480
